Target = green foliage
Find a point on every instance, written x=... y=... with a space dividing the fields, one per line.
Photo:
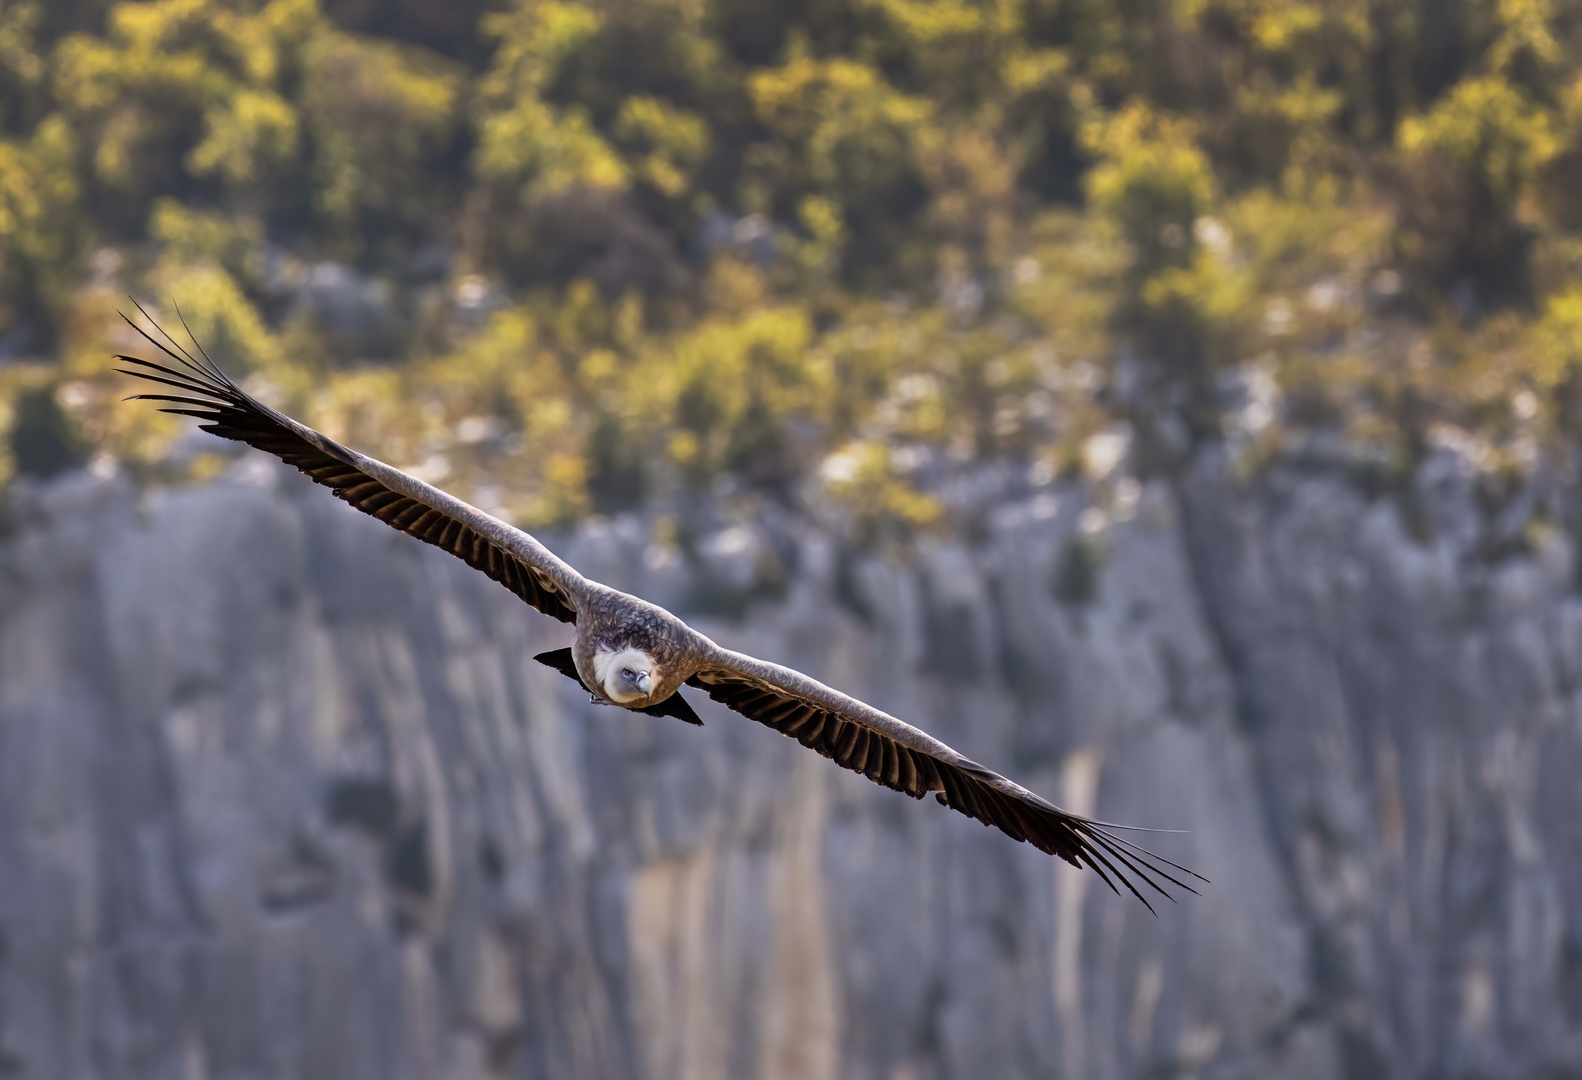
x=1153 y=180
x=217 y=311
x=638 y=245
x=840 y=132
x=1486 y=128
x=381 y=117
x=40 y=227
x=192 y=235
x=1475 y=156
x=1554 y=358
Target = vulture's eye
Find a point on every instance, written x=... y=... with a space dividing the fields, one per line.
x=628 y=673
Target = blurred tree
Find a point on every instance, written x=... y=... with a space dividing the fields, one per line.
x=1472 y=158
x=633 y=245
x=382 y=118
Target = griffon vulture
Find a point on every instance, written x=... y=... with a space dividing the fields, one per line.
x=633 y=654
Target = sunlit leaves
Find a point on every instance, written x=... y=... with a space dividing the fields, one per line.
x=1152 y=179
x=189 y=235
x=548 y=152
x=379 y=114
x=188 y=83
x=38 y=214
x=668 y=144
x=839 y=128
x=246 y=137
x=1555 y=349
x=633 y=245
x=22 y=67
x=219 y=314
x=524 y=139
x=1485 y=127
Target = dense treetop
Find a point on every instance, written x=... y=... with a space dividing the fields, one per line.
x=569 y=256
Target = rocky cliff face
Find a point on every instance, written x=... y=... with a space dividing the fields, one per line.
x=282 y=795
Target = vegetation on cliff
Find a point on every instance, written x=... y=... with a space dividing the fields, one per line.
x=569 y=256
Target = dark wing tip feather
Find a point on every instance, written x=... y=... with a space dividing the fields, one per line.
x=211 y=373
x=1090 y=841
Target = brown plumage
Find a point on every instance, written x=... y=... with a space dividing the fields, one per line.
x=631 y=653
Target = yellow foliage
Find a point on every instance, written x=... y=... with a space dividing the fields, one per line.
x=1555 y=346
x=1486 y=127
x=1526 y=27
x=218 y=313
x=378 y=113
x=634 y=244
x=544 y=149
x=670 y=143
x=1205 y=292
x=1151 y=178
x=551 y=151
x=247 y=136
x=190 y=235
x=864 y=476
x=840 y=124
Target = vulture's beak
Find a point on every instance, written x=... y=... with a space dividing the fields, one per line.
x=645 y=683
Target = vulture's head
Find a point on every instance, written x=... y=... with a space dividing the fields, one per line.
x=626 y=676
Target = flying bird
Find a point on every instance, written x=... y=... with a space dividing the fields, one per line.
x=636 y=655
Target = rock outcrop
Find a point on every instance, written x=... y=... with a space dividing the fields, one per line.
x=283 y=796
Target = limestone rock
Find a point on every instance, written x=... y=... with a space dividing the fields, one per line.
x=283 y=796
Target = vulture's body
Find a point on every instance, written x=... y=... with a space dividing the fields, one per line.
x=636 y=655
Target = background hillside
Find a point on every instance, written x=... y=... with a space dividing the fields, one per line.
x=572 y=257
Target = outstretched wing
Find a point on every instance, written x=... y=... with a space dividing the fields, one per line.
x=506 y=554
x=899 y=756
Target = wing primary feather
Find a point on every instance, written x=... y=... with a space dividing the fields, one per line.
x=816 y=722
x=907 y=772
x=187 y=412
x=183 y=360
x=1151 y=854
x=856 y=758
x=1129 y=886
x=799 y=720
x=182 y=349
x=1099 y=870
x=1098 y=843
x=172 y=398
x=212 y=366
x=175 y=378
x=1141 y=866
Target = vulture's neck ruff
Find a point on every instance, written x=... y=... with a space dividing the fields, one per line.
x=625 y=676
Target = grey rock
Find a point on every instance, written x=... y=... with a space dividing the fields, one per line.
x=282 y=795
x=358 y=314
